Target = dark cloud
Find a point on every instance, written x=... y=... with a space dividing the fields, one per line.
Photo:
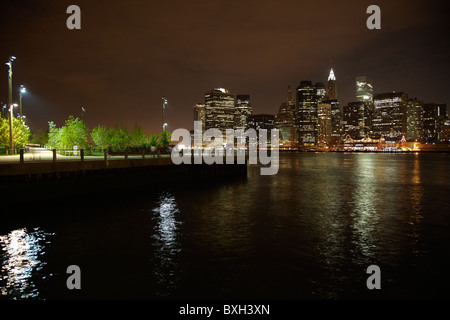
x=130 y=53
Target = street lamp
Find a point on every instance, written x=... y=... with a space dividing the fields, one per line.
x=164 y=104
x=22 y=91
x=11 y=125
x=164 y=127
x=9 y=64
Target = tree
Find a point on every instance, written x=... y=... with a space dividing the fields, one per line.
x=21 y=132
x=54 y=136
x=138 y=136
x=153 y=140
x=76 y=133
x=118 y=138
x=4 y=132
x=99 y=136
x=164 y=139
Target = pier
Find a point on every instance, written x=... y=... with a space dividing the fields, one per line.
x=47 y=179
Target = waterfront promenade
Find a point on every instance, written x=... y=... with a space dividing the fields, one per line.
x=39 y=176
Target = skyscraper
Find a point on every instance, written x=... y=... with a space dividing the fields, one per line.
x=308 y=97
x=389 y=115
x=414 y=120
x=243 y=109
x=332 y=88
x=219 y=110
x=356 y=119
x=434 y=118
x=364 y=89
x=336 y=122
x=261 y=121
x=324 y=124
x=200 y=113
x=285 y=122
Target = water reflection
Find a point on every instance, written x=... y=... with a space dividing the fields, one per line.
x=416 y=195
x=166 y=229
x=20 y=261
x=366 y=218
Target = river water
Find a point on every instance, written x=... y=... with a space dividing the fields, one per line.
x=308 y=232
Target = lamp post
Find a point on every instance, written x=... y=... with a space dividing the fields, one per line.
x=164 y=104
x=22 y=91
x=10 y=73
x=11 y=125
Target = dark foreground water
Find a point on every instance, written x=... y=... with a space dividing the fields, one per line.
x=309 y=232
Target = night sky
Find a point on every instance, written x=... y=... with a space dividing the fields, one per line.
x=130 y=53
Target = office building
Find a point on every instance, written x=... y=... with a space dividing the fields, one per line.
x=414 y=120
x=261 y=121
x=356 y=119
x=332 y=88
x=308 y=97
x=364 y=89
x=389 y=115
x=336 y=122
x=243 y=109
x=285 y=122
x=219 y=110
x=434 y=118
x=324 y=126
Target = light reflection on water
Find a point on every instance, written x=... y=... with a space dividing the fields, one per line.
x=20 y=260
x=166 y=246
x=308 y=232
x=366 y=218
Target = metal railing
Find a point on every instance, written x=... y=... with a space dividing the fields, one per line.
x=43 y=154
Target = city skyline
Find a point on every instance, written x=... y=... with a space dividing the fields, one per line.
x=121 y=79
x=224 y=157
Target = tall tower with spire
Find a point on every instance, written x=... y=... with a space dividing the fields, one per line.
x=332 y=90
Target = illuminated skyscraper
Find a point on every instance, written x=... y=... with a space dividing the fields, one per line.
x=336 y=122
x=389 y=115
x=332 y=88
x=243 y=109
x=200 y=113
x=285 y=122
x=414 y=120
x=356 y=119
x=308 y=97
x=434 y=118
x=219 y=110
x=261 y=121
x=324 y=124
x=307 y=113
x=364 y=89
